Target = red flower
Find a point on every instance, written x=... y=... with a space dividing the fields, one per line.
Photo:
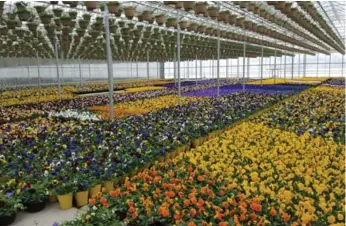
x=256 y=207
x=193 y=212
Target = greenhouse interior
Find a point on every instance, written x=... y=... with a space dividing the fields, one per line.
x=158 y=113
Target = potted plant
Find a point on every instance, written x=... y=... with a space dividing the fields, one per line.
x=11 y=24
x=64 y=191
x=223 y=16
x=86 y=17
x=32 y=26
x=147 y=15
x=73 y=14
x=40 y=9
x=171 y=22
x=81 y=190
x=9 y=206
x=160 y=19
x=83 y=24
x=183 y=24
x=189 y=5
x=213 y=12
x=66 y=20
x=57 y=12
x=23 y=14
x=200 y=8
x=129 y=12
x=113 y=7
x=91 y=5
x=50 y=28
x=34 y=197
x=46 y=18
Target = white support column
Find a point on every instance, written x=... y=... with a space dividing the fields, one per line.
x=218 y=67
x=262 y=65
x=317 y=63
x=196 y=70
x=244 y=52
x=148 y=68
x=212 y=68
x=330 y=61
x=238 y=64
x=178 y=59
x=285 y=68
x=80 y=73
x=131 y=69
x=109 y=64
x=227 y=67
x=292 y=70
x=342 y=65
x=137 y=73
x=89 y=71
x=57 y=68
x=248 y=68
x=274 y=67
x=158 y=70
x=298 y=65
x=187 y=70
x=28 y=68
x=38 y=70
x=230 y=67
x=200 y=69
x=175 y=69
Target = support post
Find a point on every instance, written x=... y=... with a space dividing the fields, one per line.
x=157 y=70
x=244 y=52
x=131 y=69
x=330 y=61
x=292 y=70
x=285 y=68
x=196 y=70
x=342 y=65
x=274 y=67
x=200 y=69
x=238 y=64
x=148 y=68
x=298 y=65
x=317 y=64
x=262 y=65
x=178 y=59
x=57 y=68
x=218 y=57
x=137 y=74
x=80 y=73
x=175 y=69
x=28 y=68
x=227 y=68
x=89 y=71
x=212 y=67
x=109 y=64
x=248 y=67
x=38 y=70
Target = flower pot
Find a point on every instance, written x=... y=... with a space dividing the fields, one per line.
x=160 y=20
x=147 y=15
x=113 y=7
x=81 y=198
x=223 y=16
x=108 y=185
x=171 y=22
x=189 y=5
x=129 y=12
x=7 y=220
x=91 y=5
x=212 y=12
x=52 y=198
x=65 y=201
x=183 y=25
x=34 y=207
x=94 y=190
x=200 y=8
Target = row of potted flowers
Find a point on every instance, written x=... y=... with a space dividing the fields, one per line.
x=23 y=111
x=319 y=111
x=67 y=160
x=251 y=174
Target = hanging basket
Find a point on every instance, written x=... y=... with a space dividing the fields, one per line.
x=57 y=12
x=32 y=26
x=129 y=12
x=147 y=15
x=66 y=21
x=223 y=16
x=113 y=7
x=200 y=8
x=39 y=9
x=183 y=25
x=201 y=29
x=171 y=22
x=232 y=19
x=213 y=13
x=91 y=5
x=240 y=21
x=24 y=15
x=46 y=18
x=248 y=24
x=189 y=5
x=160 y=20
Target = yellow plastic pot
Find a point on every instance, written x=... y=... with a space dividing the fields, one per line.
x=108 y=185
x=94 y=190
x=81 y=198
x=65 y=201
x=52 y=198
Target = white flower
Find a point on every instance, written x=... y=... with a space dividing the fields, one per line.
x=94 y=208
x=46 y=173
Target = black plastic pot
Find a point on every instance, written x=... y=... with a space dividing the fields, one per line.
x=7 y=220
x=34 y=207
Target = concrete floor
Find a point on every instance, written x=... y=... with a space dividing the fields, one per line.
x=52 y=213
